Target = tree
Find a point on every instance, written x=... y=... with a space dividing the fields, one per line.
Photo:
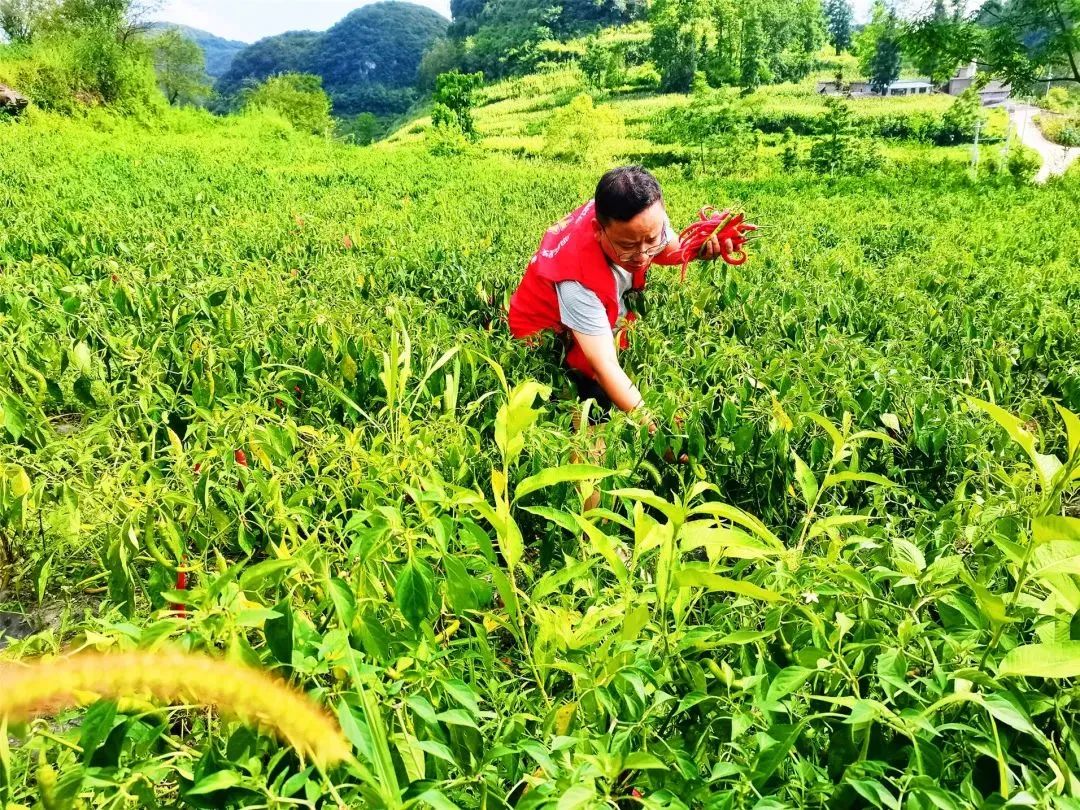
x=753 y=68
x=21 y=19
x=1025 y=42
x=362 y=129
x=929 y=57
x=885 y=62
x=603 y=66
x=456 y=92
x=297 y=97
x=839 y=16
x=180 y=67
x=583 y=133
x=959 y=121
x=680 y=37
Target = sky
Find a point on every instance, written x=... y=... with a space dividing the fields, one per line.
x=249 y=20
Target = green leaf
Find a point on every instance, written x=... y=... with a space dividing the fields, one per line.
x=82 y=359
x=834 y=434
x=1072 y=428
x=1007 y=709
x=457 y=717
x=670 y=510
x=846 y=476
x=739 y=637
x=558 y=475
x=643 y=761
x=95 y=728
x=1060 y=660
x=1045 y=466
x=699 y=578
x=741 y=518
x=1055 y=527
x=344 y=601
x=822 y=526
x=604 y=546
x=721 y=541
x=776 y=745
x=808 y=485
x=787 y=681
x=413 y=592
x=279 y=633
x=83 y=392
x=264 y=574
x=219 y=780
x=556 y=516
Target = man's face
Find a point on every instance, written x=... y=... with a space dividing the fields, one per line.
x=629 y=244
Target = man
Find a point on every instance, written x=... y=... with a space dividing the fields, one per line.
x=578 y=280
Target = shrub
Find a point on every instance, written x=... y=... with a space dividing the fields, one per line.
x=582 y=132
x=298 y=97
x=1061 y=129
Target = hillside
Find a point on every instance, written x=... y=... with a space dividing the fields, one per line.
x=368 y=60
x=219 y=52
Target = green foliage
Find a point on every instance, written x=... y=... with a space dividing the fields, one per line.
x=443 y=56
x=959 y=122
x=839 y=16
x=20 y=20
x=455 y=97
x=1025 y=42
x=297 y=97
x=180 y=67
x=884 y=65
x=735 y=44
x=1061 y=129
x=361 y=129
x=604 y=65
x=583 y=133
x=839 y=150
x=504 y=37
x=1023 y=164
x=367 y=61
x=218 y=53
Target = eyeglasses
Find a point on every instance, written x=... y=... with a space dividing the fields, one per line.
x=622 y=256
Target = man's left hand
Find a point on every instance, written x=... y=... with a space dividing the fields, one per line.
x=711 y=250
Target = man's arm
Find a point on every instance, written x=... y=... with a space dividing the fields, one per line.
x=599 y=350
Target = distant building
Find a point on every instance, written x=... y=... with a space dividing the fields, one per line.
x=902 y=87
x=991 y=94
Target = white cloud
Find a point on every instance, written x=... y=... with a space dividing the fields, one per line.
x=249 y=20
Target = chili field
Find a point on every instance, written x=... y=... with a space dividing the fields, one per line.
x=274 y=370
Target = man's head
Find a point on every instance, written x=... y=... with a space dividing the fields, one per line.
x=630 y=216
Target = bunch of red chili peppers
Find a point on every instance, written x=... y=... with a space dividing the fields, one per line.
x=732 y=229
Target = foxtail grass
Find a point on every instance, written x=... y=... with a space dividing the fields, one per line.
x=46 y=686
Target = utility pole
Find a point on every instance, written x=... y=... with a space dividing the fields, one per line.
x=975 y=148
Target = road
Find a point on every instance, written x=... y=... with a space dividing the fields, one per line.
x=1055 y=159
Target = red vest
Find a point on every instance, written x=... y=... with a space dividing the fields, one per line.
x=569 y=251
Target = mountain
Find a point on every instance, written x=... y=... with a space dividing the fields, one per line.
x=219 y=52
x=367 y=61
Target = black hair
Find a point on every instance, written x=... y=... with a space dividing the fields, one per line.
x=624 y=192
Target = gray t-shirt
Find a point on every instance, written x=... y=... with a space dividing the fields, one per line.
x=581 y=310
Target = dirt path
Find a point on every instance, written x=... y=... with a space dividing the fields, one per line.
x=1056 y=159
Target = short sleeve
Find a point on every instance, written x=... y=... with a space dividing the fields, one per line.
x=581 y=310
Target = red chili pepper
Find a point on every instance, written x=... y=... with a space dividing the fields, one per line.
x=241 y=457
x=724 y=225
x=196 y=468
x=347 y=242
x=637 y=794
x=181 y=585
